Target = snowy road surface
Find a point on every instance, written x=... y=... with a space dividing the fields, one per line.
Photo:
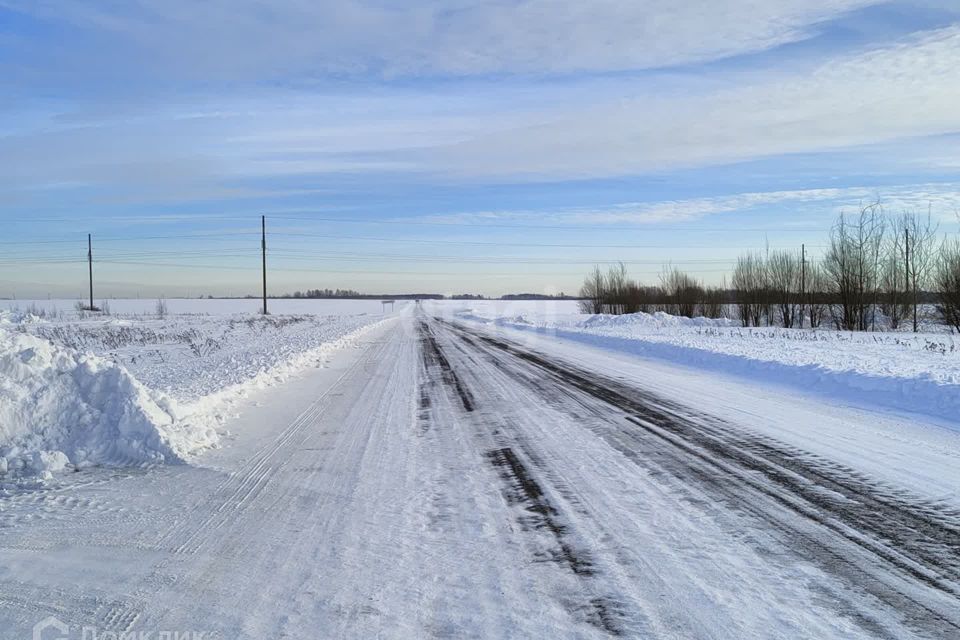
x=445 y=481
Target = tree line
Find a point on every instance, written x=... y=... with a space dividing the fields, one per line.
x=876 y=271
x=355 y=295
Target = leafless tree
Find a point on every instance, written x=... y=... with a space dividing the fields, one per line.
x=894 y=279
x=712 y=305
x=783 y=269
x=852 y=267
x=750 y=284
x=920 y=254
x=946 y=283
x=681 y=290
x=816 y=294
x=617 y=284
x=615 y=293
x=592 y=292
x=647 y=298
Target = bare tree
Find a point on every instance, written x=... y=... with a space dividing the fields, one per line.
x=592 y=292
x=647 y=298
x=920 y=253
x=852 y=267
x=816 y=294
x=894 y=278
x=783 y=270
x=713 y=302
x=615 y=293
x=682 y=291
x=946 y=281
x=750 y=284
x=617 y=290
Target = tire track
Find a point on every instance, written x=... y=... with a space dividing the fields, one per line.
x=232 y=497
x=907 y=551
x=522 y=489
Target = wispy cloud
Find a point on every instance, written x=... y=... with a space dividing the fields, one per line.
x=942 y=199
x=283 y=126
x=910 y=88
x=246 y=39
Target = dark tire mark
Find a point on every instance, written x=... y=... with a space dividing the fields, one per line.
x=526 y=491
x=434 y=356
x=917 y=540
x=521 y=489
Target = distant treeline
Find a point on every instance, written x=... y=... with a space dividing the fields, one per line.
x=537 y=296
x=356 y=295
x=351 y=294
x=877 y=271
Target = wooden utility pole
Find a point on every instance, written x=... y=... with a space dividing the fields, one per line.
x=912 y=292
x=803 y=282
x=906 y=262
x=90 y=266
x=263 y=252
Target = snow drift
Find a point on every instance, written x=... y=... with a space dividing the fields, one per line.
x=917 y=373
x=61 y=407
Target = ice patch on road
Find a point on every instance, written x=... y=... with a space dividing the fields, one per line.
x=61 y=407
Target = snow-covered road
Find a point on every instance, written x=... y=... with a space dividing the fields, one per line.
x=446 y=480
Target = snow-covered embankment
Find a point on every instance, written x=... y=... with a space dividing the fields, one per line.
x=59 y=406
x=67 y=406
x=903 y=371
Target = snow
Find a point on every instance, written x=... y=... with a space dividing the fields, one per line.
x=58 y=405
x=194 y=306
x=132 y=388
x=364 y=499
x=899 y=370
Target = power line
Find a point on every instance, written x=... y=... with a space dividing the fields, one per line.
x=597 y=226
x=182 y=236
x=478 y=222
x=497 y=244
x=375 y=272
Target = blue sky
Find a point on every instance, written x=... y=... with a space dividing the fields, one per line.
x=457 y=146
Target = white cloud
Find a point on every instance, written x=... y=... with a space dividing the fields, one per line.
x=250 y=39
x=498 y=131
x=943 y=199
x=909 y=89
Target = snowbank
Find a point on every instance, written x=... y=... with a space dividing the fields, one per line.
x=59 y=406
x=911 y=372
x=217 y=404
x=120 y=392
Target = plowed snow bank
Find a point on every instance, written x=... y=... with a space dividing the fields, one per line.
x=59 y=406
x=910 y=372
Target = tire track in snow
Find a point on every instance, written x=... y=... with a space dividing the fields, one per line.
x=521 y=488
x=232 y=497
x=433 y=355
x=904 y=548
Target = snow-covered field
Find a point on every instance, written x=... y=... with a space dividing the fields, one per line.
x=466 y=470
x=901 y=370
x=135 y=387
x=225 y=306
